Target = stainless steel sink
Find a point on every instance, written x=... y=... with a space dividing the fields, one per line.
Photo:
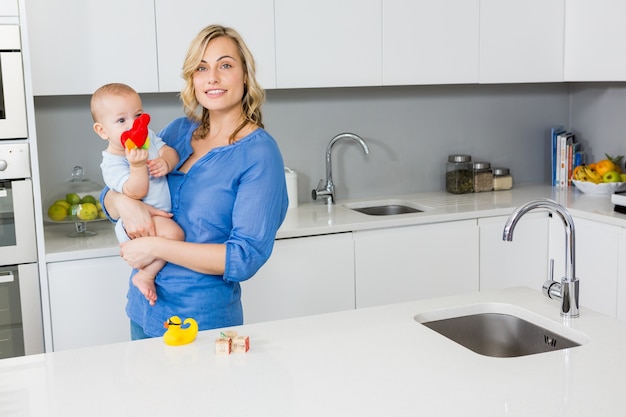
x=499 y=331
x=386 y=207
x=387 y=210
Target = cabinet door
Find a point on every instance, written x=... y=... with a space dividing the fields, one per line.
x=253 y=19
x=521 y=41
x=410 y=263
x=597 y=259
x=430 y=42
x=595 y=36
x=524 y=261
x=621 y=277
x=88 y=301
x=78 y=45
x=304 y=276
x=8 y=8
x=326 y=43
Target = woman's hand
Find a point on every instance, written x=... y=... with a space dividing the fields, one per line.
x=137 y=253
x=136 y=215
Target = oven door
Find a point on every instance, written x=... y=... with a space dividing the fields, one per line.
x=21 y=329
x=17 y=222
x=12 y=95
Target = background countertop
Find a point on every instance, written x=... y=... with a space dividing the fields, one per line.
x=316 y=218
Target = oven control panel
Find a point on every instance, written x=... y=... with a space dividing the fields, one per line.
x=14 y=161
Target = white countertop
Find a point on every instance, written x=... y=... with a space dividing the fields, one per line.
x=367 y=362
x=316 y=218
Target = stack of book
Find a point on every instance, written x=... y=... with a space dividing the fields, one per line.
x=566 y=155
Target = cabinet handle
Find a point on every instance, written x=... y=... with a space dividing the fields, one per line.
x=6 y=276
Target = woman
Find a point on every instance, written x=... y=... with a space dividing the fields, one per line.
x=228 y=193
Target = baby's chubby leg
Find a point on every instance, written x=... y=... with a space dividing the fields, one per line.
x=168 y=228
x=144 y=280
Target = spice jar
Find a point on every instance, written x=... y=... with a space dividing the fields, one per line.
x=483 y=177
x=502 y=179
x=459 y=174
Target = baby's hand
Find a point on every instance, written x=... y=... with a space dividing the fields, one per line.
x=137 y=156
x=158 y=167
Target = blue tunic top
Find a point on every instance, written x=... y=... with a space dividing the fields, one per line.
x=235 y=194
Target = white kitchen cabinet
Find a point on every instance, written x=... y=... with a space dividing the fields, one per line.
x=621 y=277
x=597 y=259
x=78 y=45
x=9 y=8
x=430 y=42
x=253 y=19
x=414 y=262
x=88 y=301
x=522 y=262
x=326 y=43
x=304 y=276
x=595 y=38
x=521 y=41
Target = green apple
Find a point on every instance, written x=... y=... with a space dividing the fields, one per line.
x=611 y=176
x=622 y=177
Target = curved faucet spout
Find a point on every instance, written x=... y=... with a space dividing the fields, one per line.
x=328 y=190
x=567 y=289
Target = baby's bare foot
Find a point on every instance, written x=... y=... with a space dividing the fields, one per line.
x=145 y=285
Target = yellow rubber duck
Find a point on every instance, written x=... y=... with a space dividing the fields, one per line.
x=176 y=334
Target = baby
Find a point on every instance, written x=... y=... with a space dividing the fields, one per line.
x=138 y=172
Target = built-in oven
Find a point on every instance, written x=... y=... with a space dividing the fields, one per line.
x=21 y=329
x=12 y=95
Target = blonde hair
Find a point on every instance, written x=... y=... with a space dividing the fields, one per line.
x=253 y=96
x=112 y=89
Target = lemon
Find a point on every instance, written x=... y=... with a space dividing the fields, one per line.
x=57 y=212
x=88 y=199
x=72 y=198
x=63 y=203
x=87 y=211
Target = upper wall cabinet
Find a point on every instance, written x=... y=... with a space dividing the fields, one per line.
x=78 y=45
x=8 y=8
x=521 y=41
x=178 y=23
x=326 y=43
x=430 y=42
x=595 y=36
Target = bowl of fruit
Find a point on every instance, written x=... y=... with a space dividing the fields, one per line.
x=75 y=201
x=600 y=178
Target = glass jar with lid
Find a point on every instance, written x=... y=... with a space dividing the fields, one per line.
x=459 y=174
x=502 y=179
x=483 y=177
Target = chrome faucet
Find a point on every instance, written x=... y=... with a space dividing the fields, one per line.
x=328 y=190
x=568 y=289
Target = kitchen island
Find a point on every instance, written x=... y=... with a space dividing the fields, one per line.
x=368 y=362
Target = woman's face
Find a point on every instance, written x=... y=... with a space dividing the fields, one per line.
x=219 y=79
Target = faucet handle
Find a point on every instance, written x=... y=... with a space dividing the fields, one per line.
x=320 y=187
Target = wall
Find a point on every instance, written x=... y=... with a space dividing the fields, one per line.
x=598 y=114
x=410 y=132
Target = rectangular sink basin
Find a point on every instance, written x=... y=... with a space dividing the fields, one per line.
x=386 y=207
x=501 y=330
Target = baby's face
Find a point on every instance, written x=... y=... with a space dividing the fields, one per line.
x=118 y=112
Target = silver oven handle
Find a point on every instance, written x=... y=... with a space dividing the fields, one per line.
x=6 y=276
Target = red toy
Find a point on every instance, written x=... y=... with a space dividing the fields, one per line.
x=137 y=137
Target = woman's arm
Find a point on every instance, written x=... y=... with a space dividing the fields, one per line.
x=136 y=215
x=205 y=258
